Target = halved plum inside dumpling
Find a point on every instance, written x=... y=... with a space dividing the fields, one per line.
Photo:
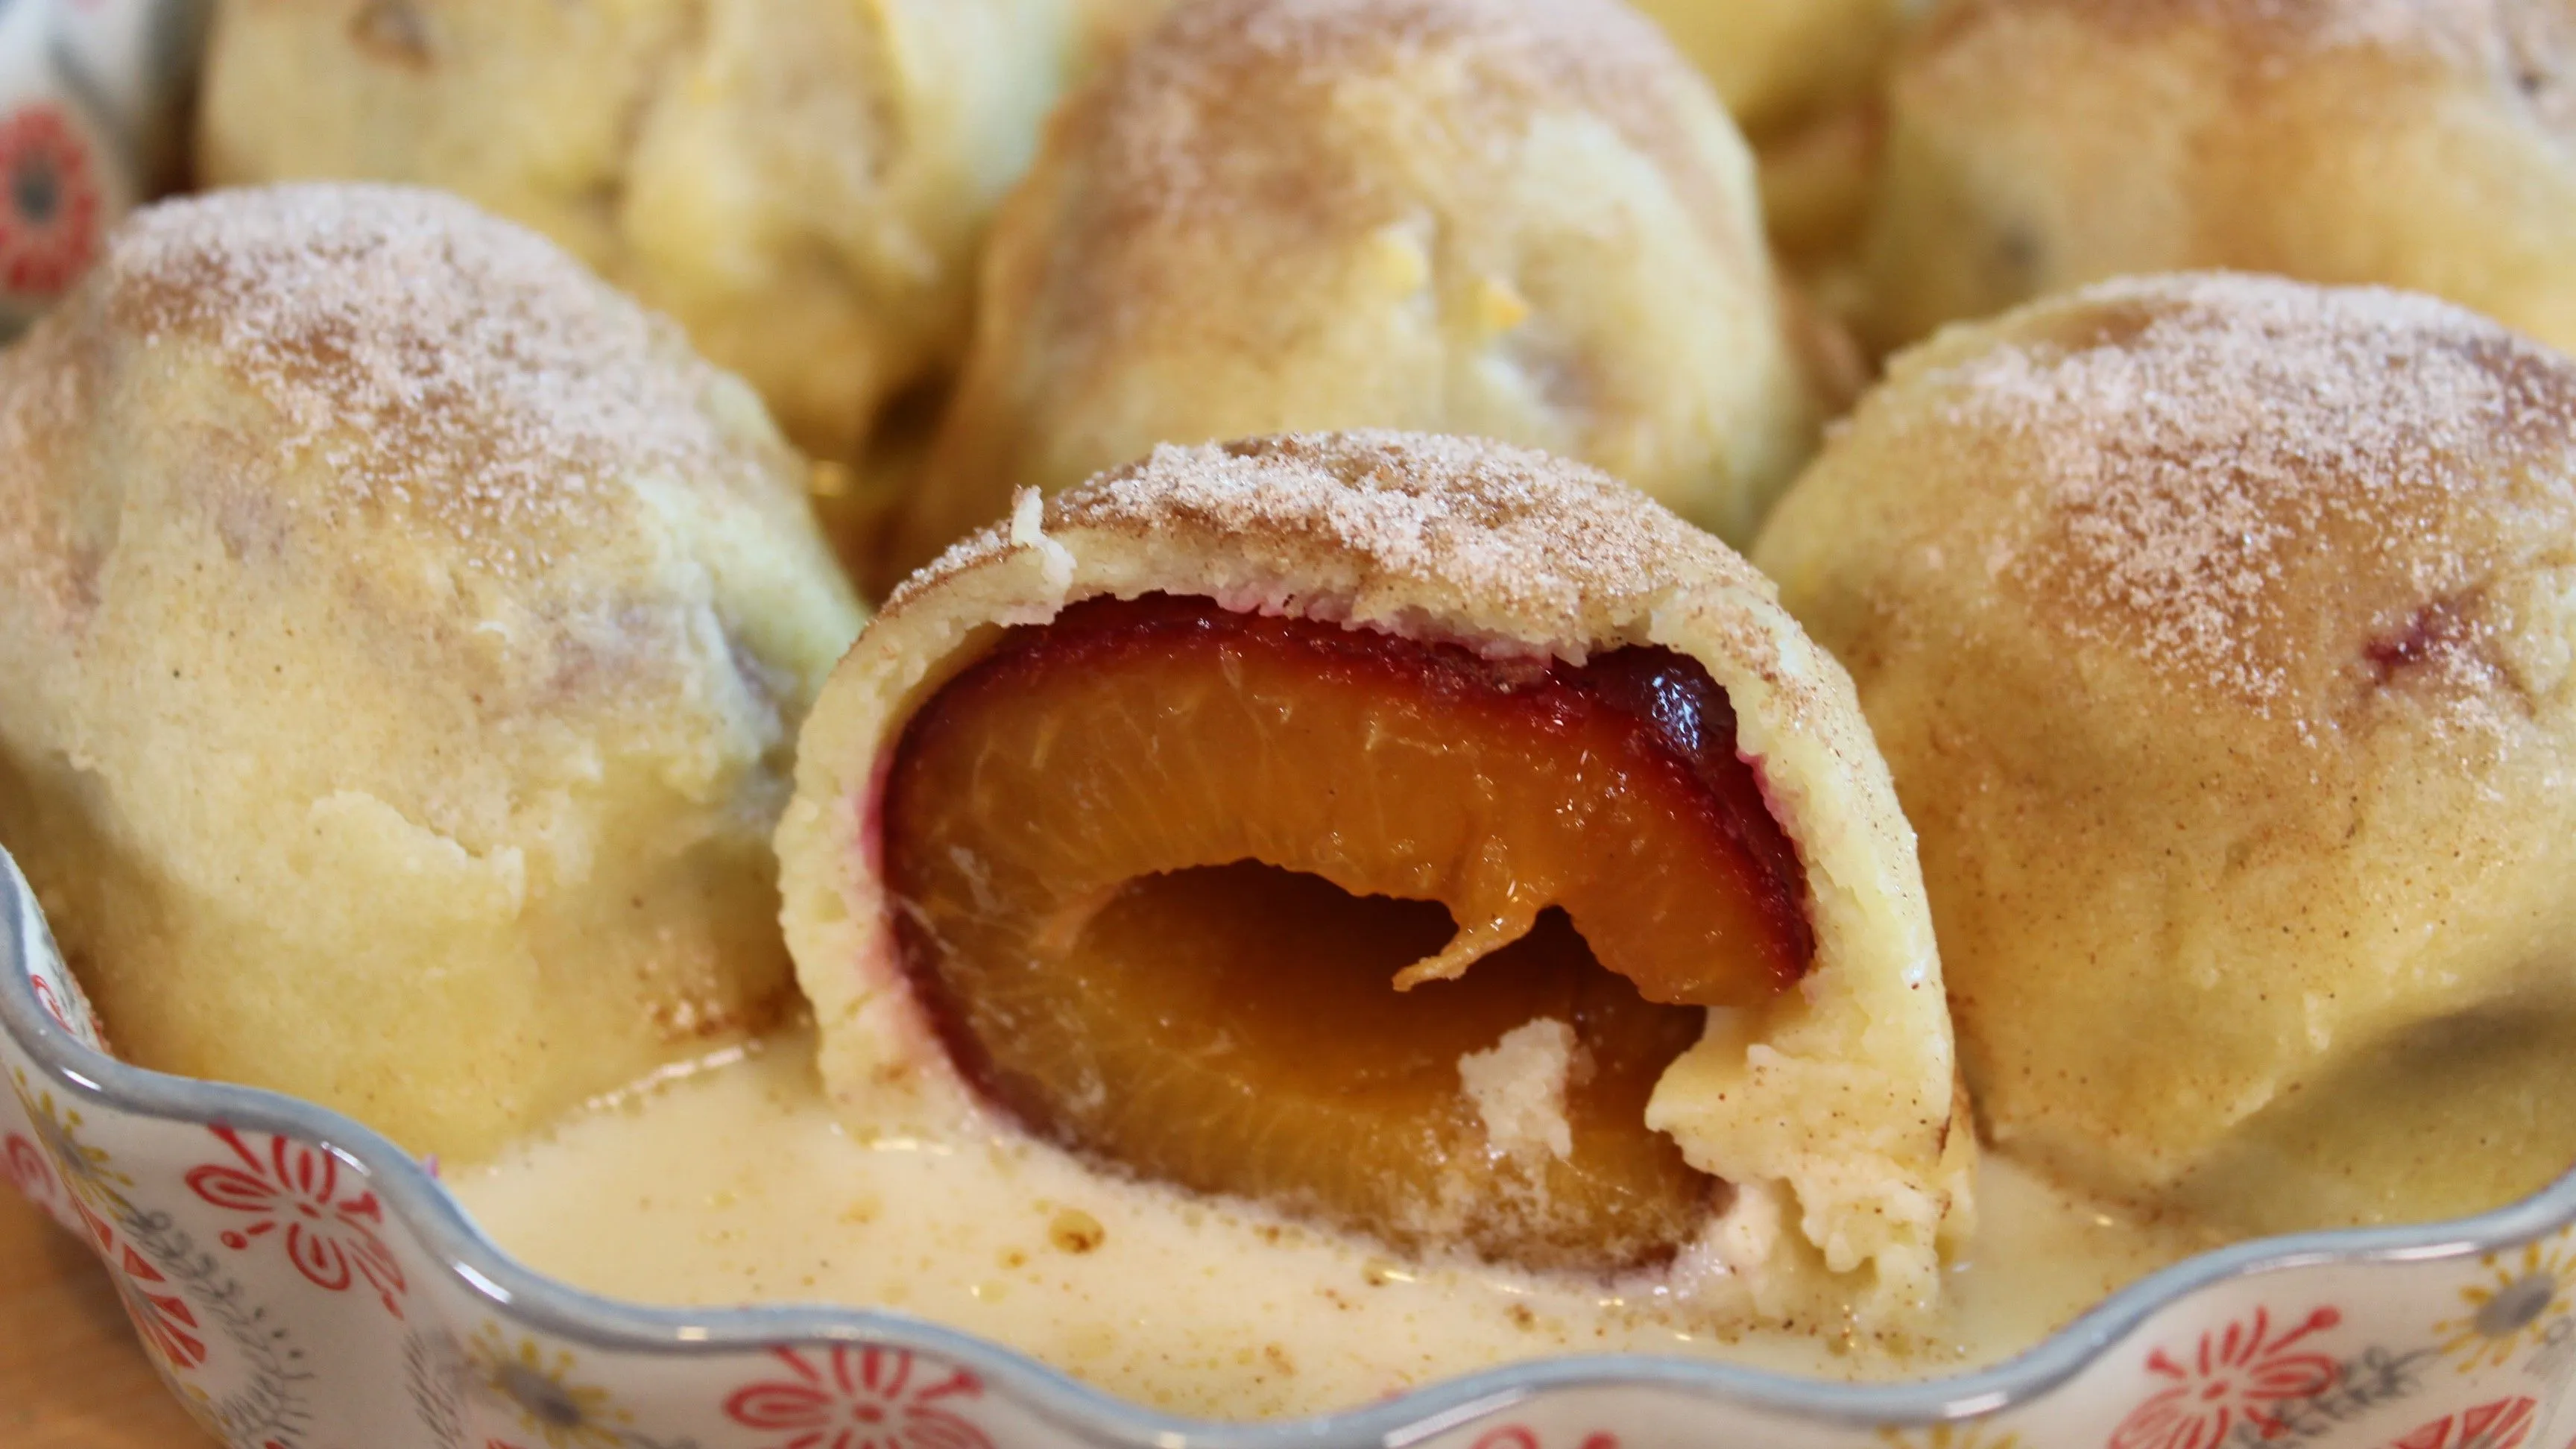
x=1275 y=878
x=1423 y=837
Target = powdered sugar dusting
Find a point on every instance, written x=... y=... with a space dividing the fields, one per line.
x=2218 y=448
x=456 y=369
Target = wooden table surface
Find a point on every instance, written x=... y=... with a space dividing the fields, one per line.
x=71 y=1376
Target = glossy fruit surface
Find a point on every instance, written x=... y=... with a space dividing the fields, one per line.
x=1161 y=869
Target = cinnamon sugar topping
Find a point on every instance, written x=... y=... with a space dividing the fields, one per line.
x=1192 y=125
x=454 y=368
x=1540 y=538
x=2216 y=449
x=1601 y=55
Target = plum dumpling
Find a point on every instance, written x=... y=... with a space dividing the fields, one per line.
x=2218 y=630
x=402 y=636
x=1420 y=836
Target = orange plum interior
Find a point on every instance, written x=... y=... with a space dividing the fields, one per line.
x=1222 y=899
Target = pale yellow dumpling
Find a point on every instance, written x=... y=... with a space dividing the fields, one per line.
x=1778 y=62
x=802 y=183
x=1522 y=219
x=2036 y=145
x=2221 y=634
x=402 y=639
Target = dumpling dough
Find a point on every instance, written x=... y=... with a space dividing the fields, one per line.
x=1802 y=77
x=1829 y=1107
x=401 y=640
x=802 y=183
x=1778 y=62
x=1522 y=219
x=2219 y=633
x=2036 y=145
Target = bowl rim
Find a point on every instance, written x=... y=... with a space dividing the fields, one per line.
x=519 y=1293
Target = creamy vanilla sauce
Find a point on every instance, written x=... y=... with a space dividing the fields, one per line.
x=737 y=1184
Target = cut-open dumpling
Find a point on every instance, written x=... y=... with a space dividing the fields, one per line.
x=1425 y=837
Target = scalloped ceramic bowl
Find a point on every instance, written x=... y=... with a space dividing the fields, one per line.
x=301 y=1283
x=92 y=96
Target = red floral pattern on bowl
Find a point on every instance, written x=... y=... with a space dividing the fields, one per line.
x=302 y=1284
x=92 y=109
x=863 y=1397
x=2504 y=1424
x=329 y=1236
x=2238 y=1378
x=50 y=207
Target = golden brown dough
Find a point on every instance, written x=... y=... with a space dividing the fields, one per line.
x=1524 y=219
x=401 y=640
x=2221 y=634
x=803 y=183
x=2040 y=144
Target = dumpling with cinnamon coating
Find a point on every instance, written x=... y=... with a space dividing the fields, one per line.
x=802 y=183
x=2037 y=145
x=1425 y=837
x=402 y=636
x=2221 y=634
x=1521 y=219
